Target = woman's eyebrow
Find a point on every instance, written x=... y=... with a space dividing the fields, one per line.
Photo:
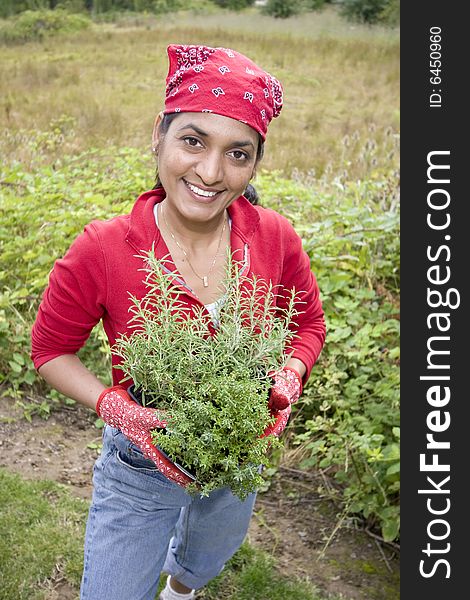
x=195 y=128
x=202 y=133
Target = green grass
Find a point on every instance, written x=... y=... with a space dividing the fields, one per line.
x=41 y=533
x=251 y=575
x=41 y=541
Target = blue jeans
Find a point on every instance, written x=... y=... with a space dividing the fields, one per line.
x=140 y=524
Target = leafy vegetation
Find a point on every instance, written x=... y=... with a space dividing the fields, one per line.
x=214 y=388
x=366 y=11
x=372 y=11
x=282 y=9
x=38 y=25
x=350 y=410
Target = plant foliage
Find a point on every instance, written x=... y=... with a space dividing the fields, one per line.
x=214 y=387
x=38 y=25
x=371 y=11
x=283 y=9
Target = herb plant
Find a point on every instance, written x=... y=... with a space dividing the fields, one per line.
x=212 y=381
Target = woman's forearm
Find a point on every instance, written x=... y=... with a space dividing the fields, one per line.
x=298 y=365
x=68 y=375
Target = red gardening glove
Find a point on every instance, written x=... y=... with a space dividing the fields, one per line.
x=286 y=389
x=282 y=416
x=117 y=409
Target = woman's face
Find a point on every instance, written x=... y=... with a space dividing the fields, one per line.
x=205 y=162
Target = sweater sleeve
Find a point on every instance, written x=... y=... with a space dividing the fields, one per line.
x=73 y=302
x=310 y=322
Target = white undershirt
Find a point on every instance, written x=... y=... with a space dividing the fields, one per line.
x=213 y=307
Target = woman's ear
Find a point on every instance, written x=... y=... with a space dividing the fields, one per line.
x=156 y=130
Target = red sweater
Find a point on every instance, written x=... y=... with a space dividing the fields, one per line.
x=100 y=271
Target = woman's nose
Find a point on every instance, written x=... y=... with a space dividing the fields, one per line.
x=209 y=168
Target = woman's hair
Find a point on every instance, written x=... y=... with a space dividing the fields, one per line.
x=250 y=193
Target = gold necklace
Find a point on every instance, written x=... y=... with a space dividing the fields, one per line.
x=203 y=278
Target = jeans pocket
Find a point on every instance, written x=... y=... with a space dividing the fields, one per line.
x=140 y=466
x=135 y=460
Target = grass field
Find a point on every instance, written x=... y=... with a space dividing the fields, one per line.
x=106 y=85
x=41 y=545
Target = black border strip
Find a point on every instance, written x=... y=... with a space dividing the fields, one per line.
x=434 y=254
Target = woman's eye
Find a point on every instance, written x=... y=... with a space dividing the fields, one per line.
x=192 y=141
x=239 y=155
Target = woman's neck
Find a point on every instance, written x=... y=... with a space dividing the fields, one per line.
x=193 y=235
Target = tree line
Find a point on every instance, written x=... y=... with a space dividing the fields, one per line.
x=366 y=11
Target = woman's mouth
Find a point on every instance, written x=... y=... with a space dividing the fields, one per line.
x=200 y=192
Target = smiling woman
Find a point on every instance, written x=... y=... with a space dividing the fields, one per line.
x=205 y=162
x=197 y=222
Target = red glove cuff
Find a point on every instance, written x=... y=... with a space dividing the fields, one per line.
x=297 y=374
x=118 y=389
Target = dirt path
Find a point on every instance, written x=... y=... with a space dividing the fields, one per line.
x=291 y=520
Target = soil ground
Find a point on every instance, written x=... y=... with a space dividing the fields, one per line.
x=292 y=521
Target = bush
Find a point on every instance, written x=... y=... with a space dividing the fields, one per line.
x=391 y=14
x=365 y=11
x=37 y=25
x=282 y=9
x=72 y=6
x=350 y=406
x=234 y=4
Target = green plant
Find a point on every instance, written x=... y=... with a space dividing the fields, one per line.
x=366 y=11
x=72 y=6
x=213 y=384
x=37 y=25
x=350 y=407
x=234 y=4
x=390 y=15
x=282 y=9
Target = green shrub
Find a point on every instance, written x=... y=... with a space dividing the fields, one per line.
x=234 y=4
x=364 y=11
x=72 y=6
x=282 y=9
x=390 y=15
x=350 y=407
x=37 y=25
x=148 y=6
x=214 y=388
x=315 y=4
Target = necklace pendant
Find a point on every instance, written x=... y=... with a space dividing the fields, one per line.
x=205 y=281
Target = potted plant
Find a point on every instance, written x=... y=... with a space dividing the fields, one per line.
x=213 y=381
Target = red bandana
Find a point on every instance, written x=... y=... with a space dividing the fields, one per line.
x=222 y=81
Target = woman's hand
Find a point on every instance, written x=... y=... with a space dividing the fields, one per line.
x=286 y=389
x=136 y=422
x=117 y=409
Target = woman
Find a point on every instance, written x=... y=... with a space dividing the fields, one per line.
x=208 y=142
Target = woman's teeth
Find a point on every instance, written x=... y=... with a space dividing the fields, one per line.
x=200 y=192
